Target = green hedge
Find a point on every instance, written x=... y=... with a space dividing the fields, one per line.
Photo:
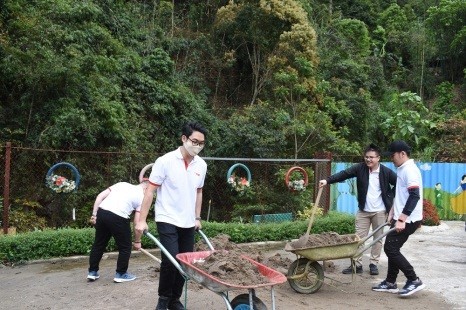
x=68 y=242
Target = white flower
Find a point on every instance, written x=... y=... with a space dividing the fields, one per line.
x=297 y=185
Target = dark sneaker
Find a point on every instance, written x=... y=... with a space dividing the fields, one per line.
x=373 y=270
x=385 y=286
x=349 y=270
x=411 y=287
x=125 y=277
x=175 y=304
x=93 y=275
x=162 y=304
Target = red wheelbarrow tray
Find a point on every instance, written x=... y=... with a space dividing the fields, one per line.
x=216 y=285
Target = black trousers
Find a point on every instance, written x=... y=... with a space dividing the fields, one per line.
x=111 y=225
x=175 y=240
x=396 y=261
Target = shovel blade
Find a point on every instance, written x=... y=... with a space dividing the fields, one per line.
x=301 y=242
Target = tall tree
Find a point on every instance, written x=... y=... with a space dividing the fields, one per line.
x=447 y=24
x=79 y=75
x=346 y=46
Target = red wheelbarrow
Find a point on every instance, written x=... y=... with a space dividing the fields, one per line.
x=184 y=262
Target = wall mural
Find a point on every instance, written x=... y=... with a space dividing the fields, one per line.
x=444 y=185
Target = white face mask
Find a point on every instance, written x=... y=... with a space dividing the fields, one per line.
x=191 y=149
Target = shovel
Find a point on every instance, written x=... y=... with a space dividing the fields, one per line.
x=302 y=241
x=150 y=255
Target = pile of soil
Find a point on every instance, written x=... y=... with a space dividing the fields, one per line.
x=231 y=268
x=227 y=265
x=278 y=262
x=219 y=242
x=326 y=239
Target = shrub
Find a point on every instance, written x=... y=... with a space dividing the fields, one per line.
x=68 y=242
x=430 y=215
x=307 y=213
x=27 y=221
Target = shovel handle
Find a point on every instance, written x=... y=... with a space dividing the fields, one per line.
x=150 y=255
x=314 y=209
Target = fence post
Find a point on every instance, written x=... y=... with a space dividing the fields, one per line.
x=321 y=173
x=6 y=188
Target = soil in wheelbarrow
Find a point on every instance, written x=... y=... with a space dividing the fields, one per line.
x=325 y=239
x=227 y=265
x=231 y=268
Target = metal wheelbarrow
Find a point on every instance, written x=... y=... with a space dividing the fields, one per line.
x=306 y=275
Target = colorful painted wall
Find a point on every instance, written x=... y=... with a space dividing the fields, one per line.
x=444 y=185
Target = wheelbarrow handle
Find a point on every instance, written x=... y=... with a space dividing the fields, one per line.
x=200 y=232
x=167 y=254
x=361 y=250
x=374 y=232
x=206 y=239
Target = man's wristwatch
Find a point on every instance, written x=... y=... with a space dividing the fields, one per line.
x=198 y=218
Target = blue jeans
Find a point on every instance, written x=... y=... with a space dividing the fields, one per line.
x=396 y=261
x=175 y=240
x=111 y=225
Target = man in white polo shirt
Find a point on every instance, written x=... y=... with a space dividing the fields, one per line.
x=406 y=217
x=178 y=178
x=111 y=217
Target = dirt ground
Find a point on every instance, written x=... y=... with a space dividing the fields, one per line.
x=438 y=255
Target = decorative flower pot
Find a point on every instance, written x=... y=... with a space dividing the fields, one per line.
x=296 y=185
x=239 y=184
x=60 y=184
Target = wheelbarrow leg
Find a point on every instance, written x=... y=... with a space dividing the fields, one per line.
x=252 y=293
x=353 y=267
x=227 y=301
x=272 y=296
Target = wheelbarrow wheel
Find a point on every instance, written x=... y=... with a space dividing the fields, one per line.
x=241 y=302
x=305 y=276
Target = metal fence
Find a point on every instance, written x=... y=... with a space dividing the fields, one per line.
x=25 y=191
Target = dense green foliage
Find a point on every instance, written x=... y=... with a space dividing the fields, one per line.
x=125 y=75
x=68 y=242
x=268 y=78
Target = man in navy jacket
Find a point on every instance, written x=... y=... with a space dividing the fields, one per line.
x=376 y=188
